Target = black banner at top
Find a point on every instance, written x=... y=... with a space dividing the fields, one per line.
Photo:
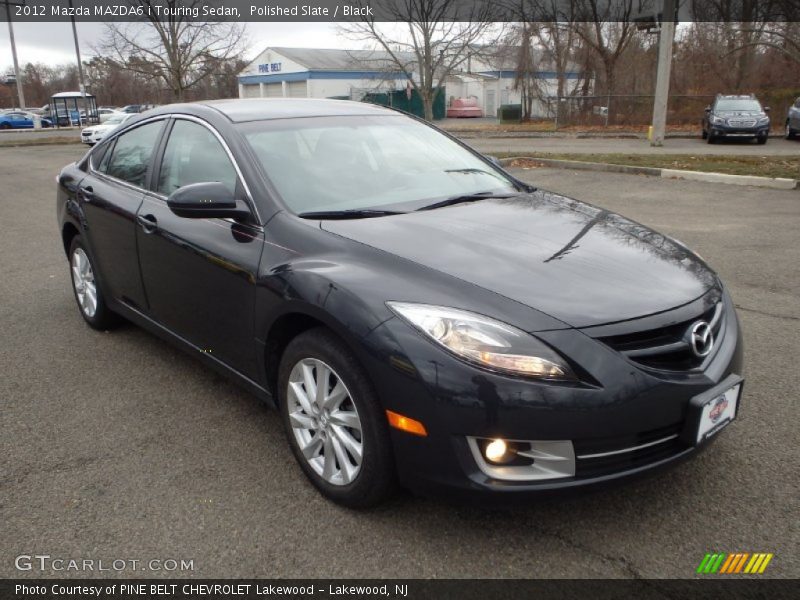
x=396 y=10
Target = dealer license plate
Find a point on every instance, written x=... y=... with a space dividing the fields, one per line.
x=718 y=412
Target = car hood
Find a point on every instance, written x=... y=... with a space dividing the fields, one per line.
x=578 y=263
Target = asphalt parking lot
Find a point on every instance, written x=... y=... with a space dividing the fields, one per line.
x=116 y=446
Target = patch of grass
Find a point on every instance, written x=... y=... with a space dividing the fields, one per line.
x=41 y=141
x=485 y=126
x=762 y=166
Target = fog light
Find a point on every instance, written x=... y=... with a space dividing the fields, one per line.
x=495 y=450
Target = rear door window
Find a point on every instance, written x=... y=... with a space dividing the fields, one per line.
x=130 y=158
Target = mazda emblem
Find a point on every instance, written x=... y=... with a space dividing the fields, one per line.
x=701 y=338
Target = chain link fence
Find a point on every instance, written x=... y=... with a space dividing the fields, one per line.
x=623 y=110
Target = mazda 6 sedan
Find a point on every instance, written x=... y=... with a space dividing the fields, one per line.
x=418 y=316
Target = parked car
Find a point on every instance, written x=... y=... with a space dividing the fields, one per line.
x=20 y=120
x=417 y=314
x=95 y=133
x=104 y=114
x=132 y=108
x=736 y=116
x=464 y=108
x=793 y=121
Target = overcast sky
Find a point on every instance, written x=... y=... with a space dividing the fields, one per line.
x=52 y=43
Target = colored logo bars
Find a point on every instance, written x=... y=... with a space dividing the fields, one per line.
x=738 y=562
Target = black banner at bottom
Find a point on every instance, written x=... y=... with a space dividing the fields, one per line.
x=461 y=589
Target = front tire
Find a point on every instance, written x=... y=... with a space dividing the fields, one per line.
x=762 y=139
x=91 y=303
x=334 y=423
x=790 y=133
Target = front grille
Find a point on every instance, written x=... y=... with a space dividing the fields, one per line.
x=603 y=456
x=668 y=348
x=742 y=122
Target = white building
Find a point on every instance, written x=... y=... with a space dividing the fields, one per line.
x=317 y=73
x=489 y=77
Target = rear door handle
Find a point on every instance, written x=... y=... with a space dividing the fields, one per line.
x=148 y=222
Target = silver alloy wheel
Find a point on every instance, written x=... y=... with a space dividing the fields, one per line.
x=325 y=421
x=83 y=280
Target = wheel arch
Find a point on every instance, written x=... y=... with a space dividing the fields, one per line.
x=290 y=324
x=68 y=233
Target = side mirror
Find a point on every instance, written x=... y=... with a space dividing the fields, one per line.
x=708 y=109
x=767 y=109
x=205 y=201
x=493 y=159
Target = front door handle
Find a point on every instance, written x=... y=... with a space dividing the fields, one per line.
x=148 y=223
x=87 y=192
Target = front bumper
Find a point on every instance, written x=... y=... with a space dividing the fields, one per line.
x=91 y=137
x=720 y=130
x=620 y=406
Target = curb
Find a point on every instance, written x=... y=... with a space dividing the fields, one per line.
x=778 y=183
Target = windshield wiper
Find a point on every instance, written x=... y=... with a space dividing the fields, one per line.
x=471 y=171
x=465 y=198
x=352 y=213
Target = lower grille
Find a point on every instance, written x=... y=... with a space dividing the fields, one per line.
x=605 y=456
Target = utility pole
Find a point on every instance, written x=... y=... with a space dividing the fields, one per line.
x=666 y=37
x=17 y=74
x=80 y=65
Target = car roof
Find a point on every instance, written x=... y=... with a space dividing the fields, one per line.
x=260 y=109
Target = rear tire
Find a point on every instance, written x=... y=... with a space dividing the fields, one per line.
x=343 y=430
x=91 y=303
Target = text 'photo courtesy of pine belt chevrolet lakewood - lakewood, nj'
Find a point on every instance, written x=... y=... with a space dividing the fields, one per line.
x=420 y=317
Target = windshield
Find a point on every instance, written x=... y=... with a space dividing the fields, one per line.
x=738 y=105
x=352 y=163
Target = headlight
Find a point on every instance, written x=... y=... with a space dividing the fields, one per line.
x=763 y=120
x=718 y=120
x=484 y=341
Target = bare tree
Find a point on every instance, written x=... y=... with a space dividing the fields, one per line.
x=174 y=49
x=423 y=41
x=607 y=39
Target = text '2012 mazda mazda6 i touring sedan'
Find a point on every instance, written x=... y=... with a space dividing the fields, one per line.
x=418 y=316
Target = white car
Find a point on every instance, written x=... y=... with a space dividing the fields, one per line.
x=95 y=133
x=106 y=113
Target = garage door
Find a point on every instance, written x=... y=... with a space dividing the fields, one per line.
x=273 y=90
x=296 y=89
x=250 y=91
